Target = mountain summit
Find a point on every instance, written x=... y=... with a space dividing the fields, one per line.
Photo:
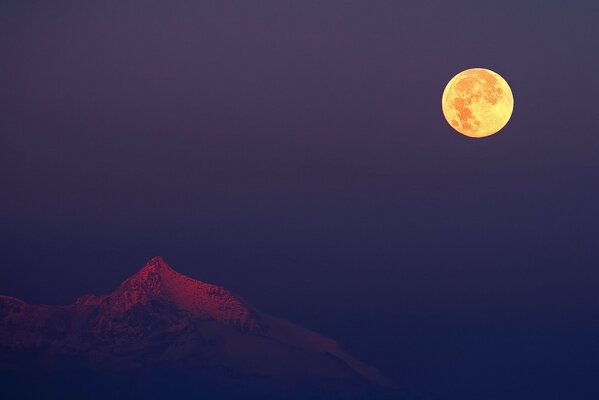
x=157 y=281
x=160 y=320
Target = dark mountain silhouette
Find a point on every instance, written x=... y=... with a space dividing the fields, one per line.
x=161 y=334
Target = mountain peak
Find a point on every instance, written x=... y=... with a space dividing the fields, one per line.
x=157 y=281
x=158 y=263
x=151 y=277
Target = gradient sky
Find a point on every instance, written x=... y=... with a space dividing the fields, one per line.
x=296 y=153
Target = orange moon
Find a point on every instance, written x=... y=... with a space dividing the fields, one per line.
x=477 y=102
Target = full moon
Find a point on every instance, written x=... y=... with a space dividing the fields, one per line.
x=477 y=102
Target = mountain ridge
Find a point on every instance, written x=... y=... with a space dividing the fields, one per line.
x=157 y=280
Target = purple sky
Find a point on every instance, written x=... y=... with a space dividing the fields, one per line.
x=295 y=152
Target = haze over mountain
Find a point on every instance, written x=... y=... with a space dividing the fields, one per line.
x=190 y=337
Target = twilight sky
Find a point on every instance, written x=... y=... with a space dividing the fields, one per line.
x=296 y=153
